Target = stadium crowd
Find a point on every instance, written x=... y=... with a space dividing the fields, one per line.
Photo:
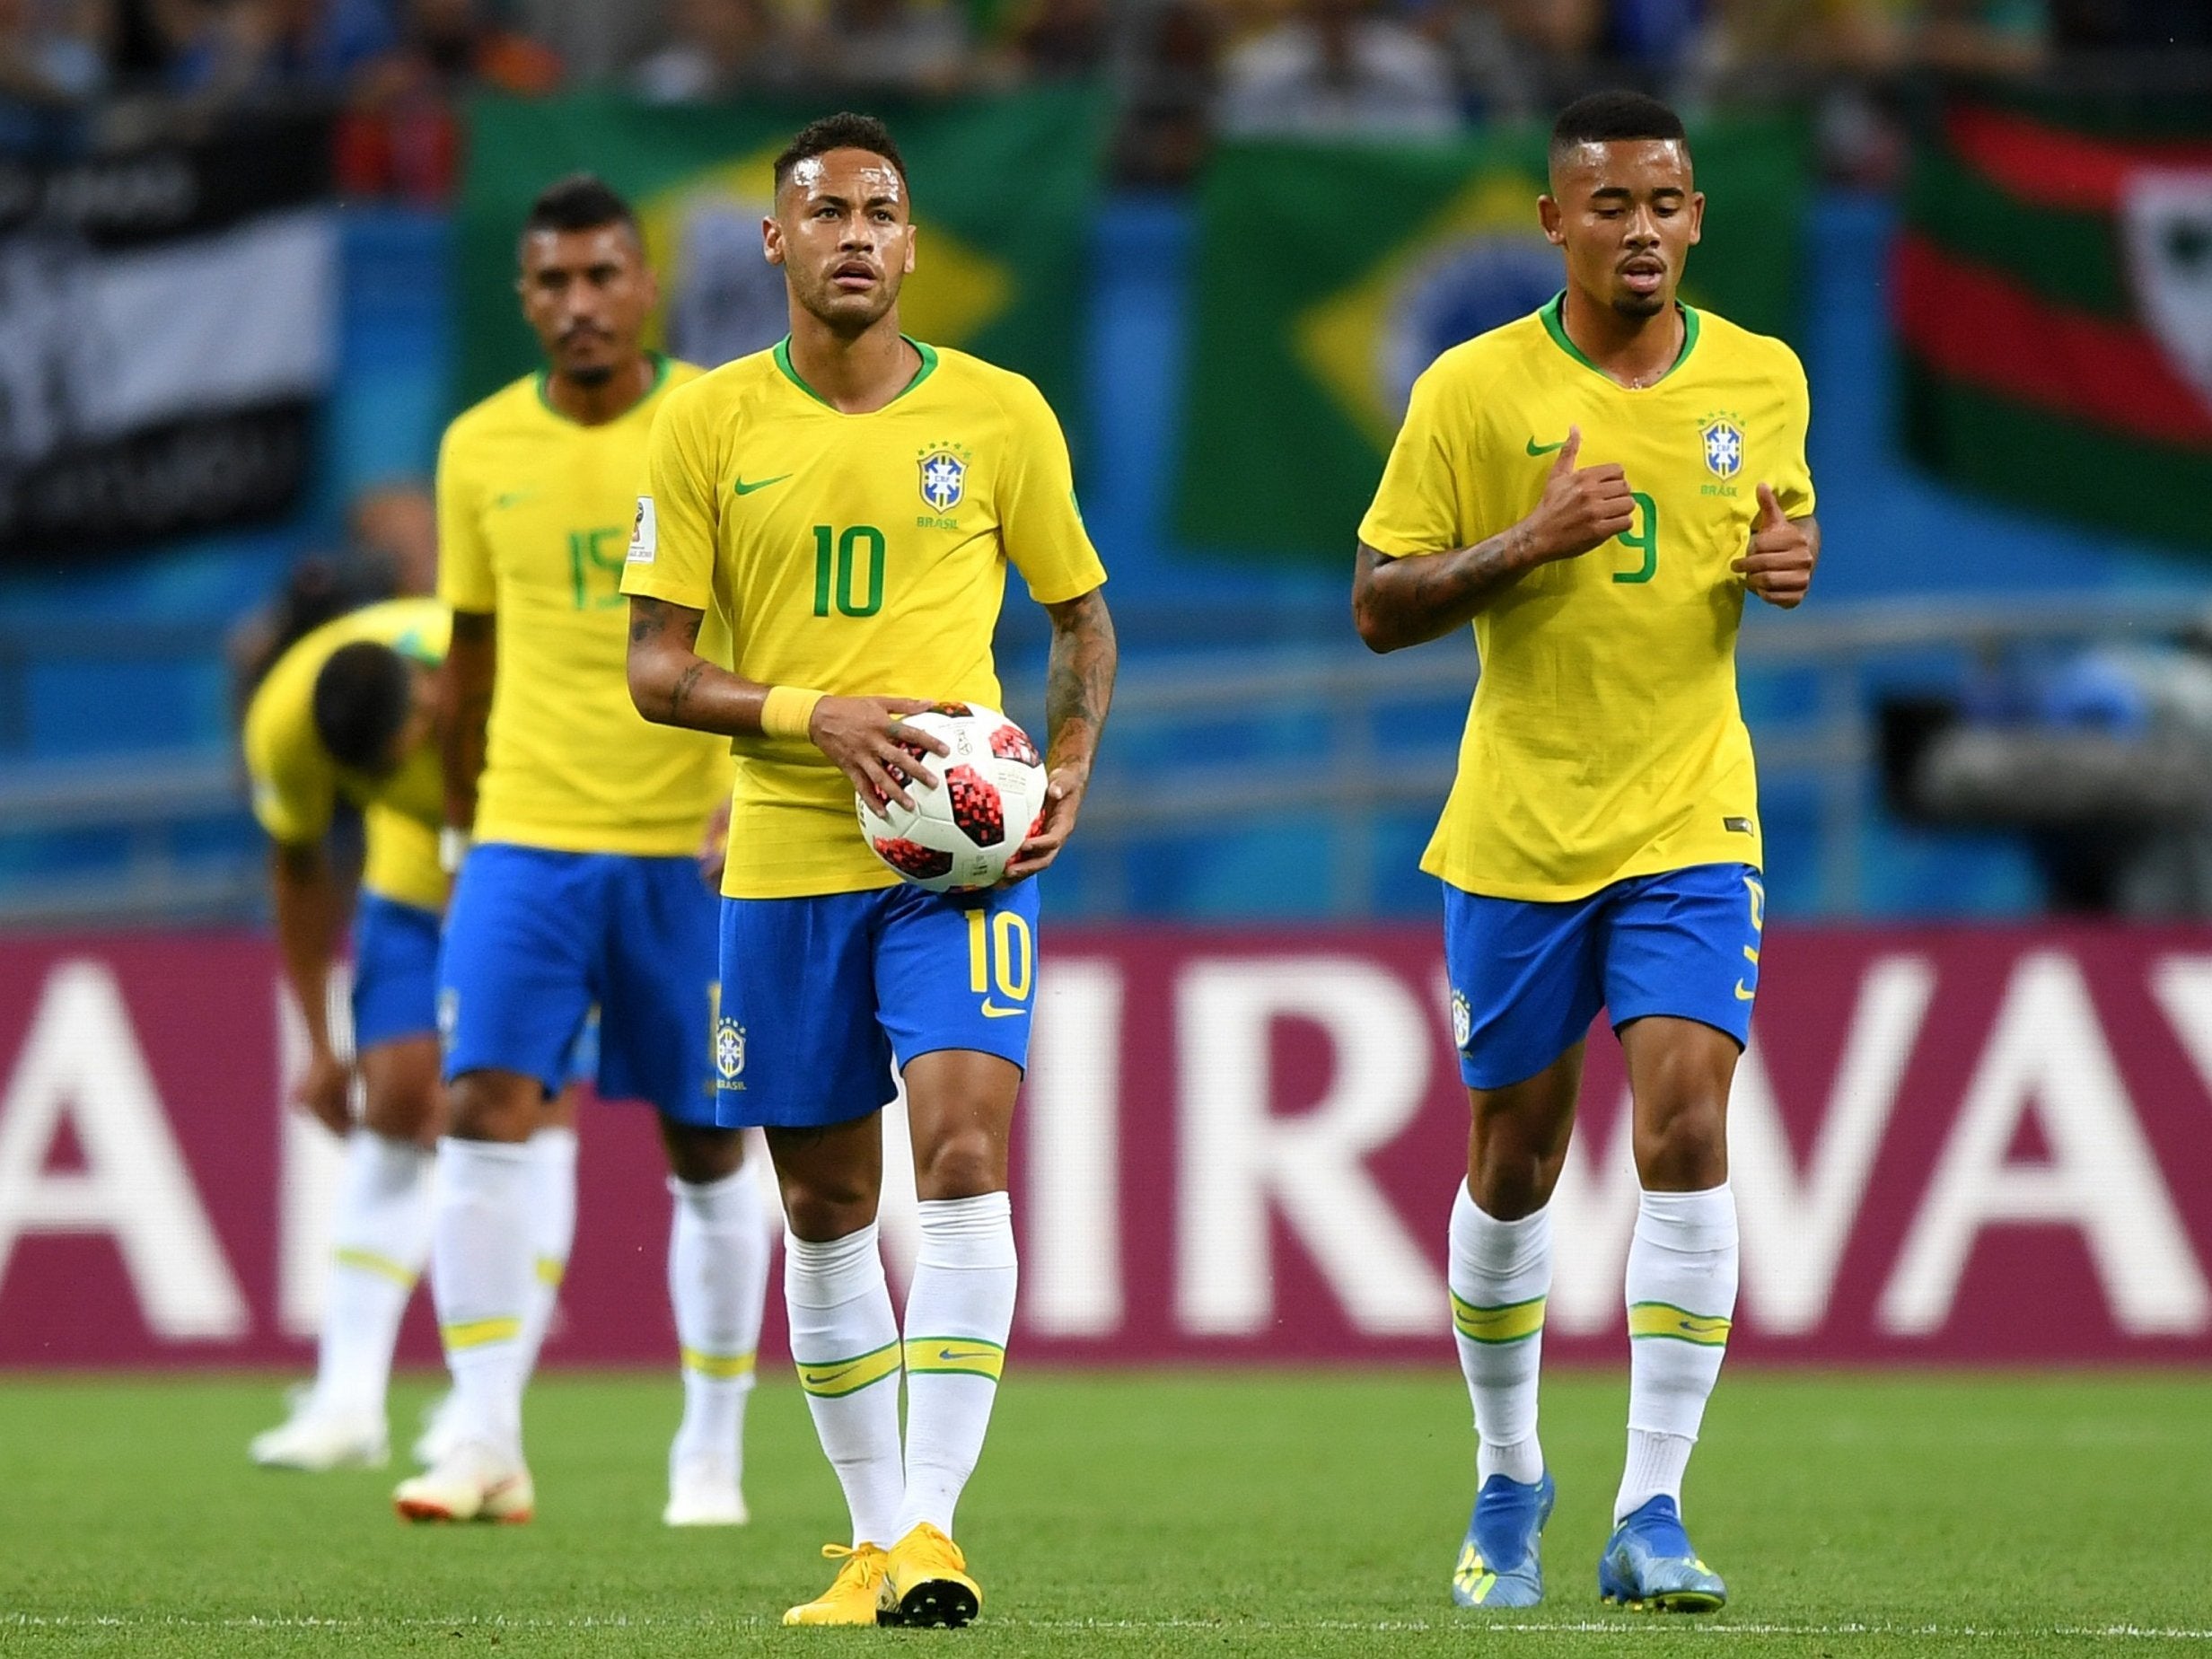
x=89 y=74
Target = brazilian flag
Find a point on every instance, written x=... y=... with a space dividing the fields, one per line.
x=1330 y=276
x=1003 y=191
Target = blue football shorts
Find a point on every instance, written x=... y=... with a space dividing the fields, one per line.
x=535 y=940
x=1527 y=978
x=821 y=996
x=395 y=994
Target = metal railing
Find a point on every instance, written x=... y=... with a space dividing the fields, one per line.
x=1203 y=746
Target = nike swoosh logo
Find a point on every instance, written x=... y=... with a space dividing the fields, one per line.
x=512 y=498
x=1545 y=449
x=816 y=1376
x=992 y=1011
x=1702 y=1327
x=1742 y=995
x=954 y=1356
x=743 y=488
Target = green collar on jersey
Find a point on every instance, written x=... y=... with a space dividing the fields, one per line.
x=660 y=378
x=1555 y=325
x=929 y=367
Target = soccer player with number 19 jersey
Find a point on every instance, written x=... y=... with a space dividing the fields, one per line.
x=1595 y=487
x=851 y=500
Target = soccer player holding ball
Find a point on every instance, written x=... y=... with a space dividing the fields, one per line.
x=851 y=500
x=1595 y=487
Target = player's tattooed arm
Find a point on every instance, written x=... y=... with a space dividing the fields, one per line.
x=1398 y=602
x=1079 y=688
x=471 y=664
x=672 y=685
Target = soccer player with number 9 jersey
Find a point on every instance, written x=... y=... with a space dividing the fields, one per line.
x=851 y=500
x=1595 y=487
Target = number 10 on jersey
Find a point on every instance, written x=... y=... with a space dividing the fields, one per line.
x=849 y=571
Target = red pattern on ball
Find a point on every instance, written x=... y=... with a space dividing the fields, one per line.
x=1010 y=742
x=922 y=863
x=977 y=807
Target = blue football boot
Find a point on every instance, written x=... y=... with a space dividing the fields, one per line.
x=1649 y=1565
x=1498 y=1565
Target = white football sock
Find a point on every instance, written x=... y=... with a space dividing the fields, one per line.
x=845 y=1341
x=552 y=1232
x=480 y=1276
x=960 y=1311
x=1682 y=1297
x=380 y=1240
x=717 y=1279
x=1500 y=1275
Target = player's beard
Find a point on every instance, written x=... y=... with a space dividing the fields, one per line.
x=1638 y=306
x=591 y=377
x=836 y=311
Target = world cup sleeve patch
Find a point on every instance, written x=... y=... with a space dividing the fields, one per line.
x=644 y=534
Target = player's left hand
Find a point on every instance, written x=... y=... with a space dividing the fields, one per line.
x=1778 y=567
x=1063 y=800
x=715 y=849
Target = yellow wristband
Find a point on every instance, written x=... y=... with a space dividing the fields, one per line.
x=786 y=710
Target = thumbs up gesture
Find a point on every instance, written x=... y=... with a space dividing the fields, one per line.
x=1778 y=565
x=1581 y=507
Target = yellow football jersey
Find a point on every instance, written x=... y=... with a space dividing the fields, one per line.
x=534 y=514
x=862 y=554
x=1604 y=739
x=297 y=784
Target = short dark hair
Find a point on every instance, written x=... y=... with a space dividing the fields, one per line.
x=841 y=131
x=362 y=699
x=580 y=202
x=1603 y=117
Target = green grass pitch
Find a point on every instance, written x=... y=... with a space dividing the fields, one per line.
x=1217 y=1514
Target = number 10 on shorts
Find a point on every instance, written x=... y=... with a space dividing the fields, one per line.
x=1000 y=954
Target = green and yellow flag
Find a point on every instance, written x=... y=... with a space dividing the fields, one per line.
x=1003 y=194
x=1330 y=277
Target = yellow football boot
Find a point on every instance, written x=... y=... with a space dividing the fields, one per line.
x=928 y=1583
x=854 y=1596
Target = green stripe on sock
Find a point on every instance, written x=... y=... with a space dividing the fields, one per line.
x=369 y=1261
x=478 y=1333
x=830 y=1379
x=1512 y=1321
x=955 y=1355
x=717 y=1364
x=1664 y=1318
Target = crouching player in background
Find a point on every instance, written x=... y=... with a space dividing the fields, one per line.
x=354 y=710
x=852 y=499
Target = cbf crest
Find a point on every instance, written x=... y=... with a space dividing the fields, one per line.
x=944 y=476
x=729 y=1051
x=1722 y=438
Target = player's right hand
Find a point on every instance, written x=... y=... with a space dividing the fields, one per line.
x=866 y=737
x=1580 y=509
x=323 y=1092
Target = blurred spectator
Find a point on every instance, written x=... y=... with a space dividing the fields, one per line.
x=1052 y=39
x=392 y=551
x=1521 y=60
x=717 y=49
x=1982 y=36
x=889 y=46
x=52 y=65
x=222 y=50
x=395 y=531
x=1166 y=121
x=402 y=137
x=2131 y=25
x=1336 y=70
